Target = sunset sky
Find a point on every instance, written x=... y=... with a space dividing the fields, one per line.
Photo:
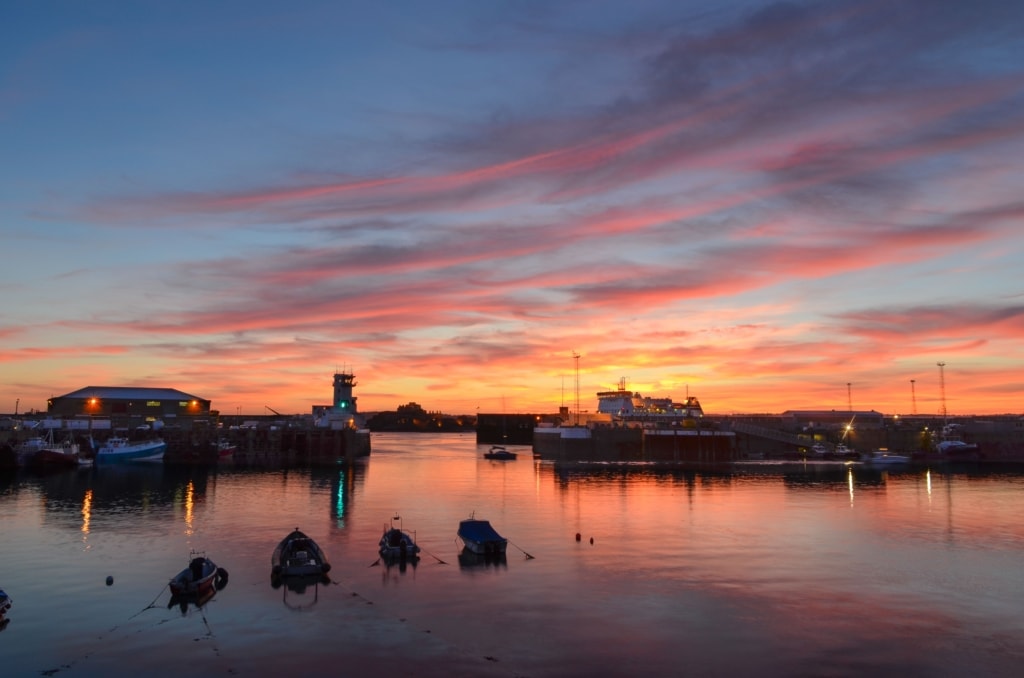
x=768 y=205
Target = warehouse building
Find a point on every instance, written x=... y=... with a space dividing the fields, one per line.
x=130 y=403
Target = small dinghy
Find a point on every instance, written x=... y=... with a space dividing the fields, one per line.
x=298 y=556
x=396 y=544
x=499 y=453
x=200 y=577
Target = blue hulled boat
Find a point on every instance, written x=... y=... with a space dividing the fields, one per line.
x=479 y=537
x=118 y=449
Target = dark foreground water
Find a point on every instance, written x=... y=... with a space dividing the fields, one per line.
x=769 y=570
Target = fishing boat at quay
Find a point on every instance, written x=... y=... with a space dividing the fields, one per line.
x=118 y=449
x=65 y=454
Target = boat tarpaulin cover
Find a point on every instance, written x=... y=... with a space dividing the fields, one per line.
x=478 y=530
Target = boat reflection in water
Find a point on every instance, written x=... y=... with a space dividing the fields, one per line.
x=468 y=560
x=400 y=564
x=295 y=590
x=299 y=584
x=188 y=600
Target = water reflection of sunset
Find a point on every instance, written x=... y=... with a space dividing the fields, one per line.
x=86 y=514
x=189 y=506
x=802 y=566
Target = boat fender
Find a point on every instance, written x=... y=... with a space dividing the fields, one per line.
x=327 y=567
x=110 y=580
x=222 y=578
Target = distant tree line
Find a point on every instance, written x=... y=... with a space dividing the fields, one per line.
x=413 y=418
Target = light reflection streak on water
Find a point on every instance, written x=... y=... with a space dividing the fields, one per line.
x=189 y=508
x=86 y=515
x=849 y=481
x=928 y=478
x=339 y=500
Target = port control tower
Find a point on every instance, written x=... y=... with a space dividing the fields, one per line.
x=343 y=398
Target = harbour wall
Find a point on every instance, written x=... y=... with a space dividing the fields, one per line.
x=624 y=444
x=266 y=447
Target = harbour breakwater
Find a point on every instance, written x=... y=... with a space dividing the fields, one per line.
x=610 y=443
x=269 y=447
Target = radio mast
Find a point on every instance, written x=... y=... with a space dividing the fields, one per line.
x=942 y=388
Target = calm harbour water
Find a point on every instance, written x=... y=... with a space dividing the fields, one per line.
x=769 y=570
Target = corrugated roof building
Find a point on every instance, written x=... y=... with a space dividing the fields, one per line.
x=128 y=401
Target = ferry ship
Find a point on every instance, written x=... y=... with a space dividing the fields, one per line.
x=629 y=427
x=624 y=405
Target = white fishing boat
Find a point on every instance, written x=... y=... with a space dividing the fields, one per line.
x=120 y=449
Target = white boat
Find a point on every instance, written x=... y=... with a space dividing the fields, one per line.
x=955 y=447
x=952 y=443
x=119 y=449
x=26 y=449
x=625 y=405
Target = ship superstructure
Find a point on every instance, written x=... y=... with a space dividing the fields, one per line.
x=624 y=405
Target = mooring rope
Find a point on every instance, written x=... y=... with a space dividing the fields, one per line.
x=528 y=556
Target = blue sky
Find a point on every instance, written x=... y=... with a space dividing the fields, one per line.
x=767 y=205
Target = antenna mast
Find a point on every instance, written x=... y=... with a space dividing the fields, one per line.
x=913 y=398
x=942 y=388
x=849 y=398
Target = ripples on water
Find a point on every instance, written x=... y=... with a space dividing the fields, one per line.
x=767 y=569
